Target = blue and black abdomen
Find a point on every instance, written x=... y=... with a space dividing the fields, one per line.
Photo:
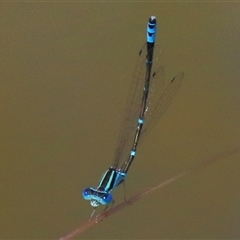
x=151 y=29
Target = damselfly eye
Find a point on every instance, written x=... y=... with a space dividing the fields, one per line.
x=86 y=193
x=107 y=198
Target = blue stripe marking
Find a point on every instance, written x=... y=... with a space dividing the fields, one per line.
x=140 y=121
x=107 y=180
x=110 y=182
x=133 y=153
x=151 y=29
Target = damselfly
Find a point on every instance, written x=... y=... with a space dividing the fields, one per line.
x=144 y=102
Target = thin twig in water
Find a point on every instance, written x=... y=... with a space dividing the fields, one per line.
x=137 y=197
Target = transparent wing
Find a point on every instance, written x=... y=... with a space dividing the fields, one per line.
x=133 y=105
x=160 y=99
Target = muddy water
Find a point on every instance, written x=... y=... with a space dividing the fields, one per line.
x=65 y=72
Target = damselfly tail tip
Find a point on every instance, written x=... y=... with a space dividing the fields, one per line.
x=152 y=19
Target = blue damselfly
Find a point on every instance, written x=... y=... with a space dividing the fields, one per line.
x=144 y=102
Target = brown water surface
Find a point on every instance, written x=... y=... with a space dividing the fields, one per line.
x=65 y=73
